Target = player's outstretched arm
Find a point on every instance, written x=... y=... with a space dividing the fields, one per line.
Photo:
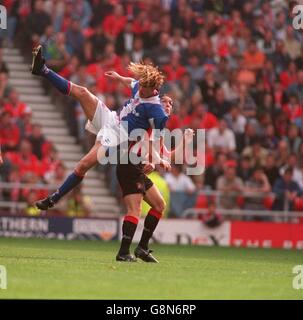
x=127 y=81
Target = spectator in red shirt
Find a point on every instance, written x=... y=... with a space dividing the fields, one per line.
x=173 y=122
x=289 y=76
x=142 y=23
x=9 y=132
x=25 y=160
x=96 y=69
x=222 y=41
x=174 y=70
x=50 y=163
x=14 y=106
x=293 y=109
x=70 y=68
x=114 y=23
x=206 y=119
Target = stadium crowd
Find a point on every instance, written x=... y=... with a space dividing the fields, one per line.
x=233 y=67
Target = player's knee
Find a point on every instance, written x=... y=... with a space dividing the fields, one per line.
x=82 y=167
x=134 y=212
x=160 y=206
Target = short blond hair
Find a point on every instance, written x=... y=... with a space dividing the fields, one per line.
x=148 y=75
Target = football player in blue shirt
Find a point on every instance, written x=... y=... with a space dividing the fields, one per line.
x=143 y=111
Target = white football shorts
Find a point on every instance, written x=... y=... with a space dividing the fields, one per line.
x=102 y=116
x=105 y=125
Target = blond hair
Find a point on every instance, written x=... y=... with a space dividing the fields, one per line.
x=148 y=75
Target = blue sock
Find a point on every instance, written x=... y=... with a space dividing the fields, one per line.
x=70 y=183
x=57 y=81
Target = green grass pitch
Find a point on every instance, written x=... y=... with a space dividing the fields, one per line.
x=54 y=269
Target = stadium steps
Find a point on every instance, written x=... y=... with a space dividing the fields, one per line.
x=62 y=139
x=69 y=156
x=92 y=182
x=69 y=148
x=24 y=83
x=95 y=192
x=46 y=115
x=23 y=74
x=28 y=98
x=51 y=122
x=43 y=107
x=63 y=131
x=30 y=90
x=103 y=200
x=18 y=67
x=55 y=129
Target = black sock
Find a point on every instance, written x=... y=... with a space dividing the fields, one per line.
x=128 y=230
x=150 y=223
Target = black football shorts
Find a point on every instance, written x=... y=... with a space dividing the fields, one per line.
x=132 y=180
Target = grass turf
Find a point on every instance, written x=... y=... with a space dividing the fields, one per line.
x=54 y=269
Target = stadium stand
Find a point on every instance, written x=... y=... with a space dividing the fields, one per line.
x=234 y=68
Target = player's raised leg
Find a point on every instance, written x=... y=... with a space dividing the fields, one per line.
x=88 y=101
x=154 y=198
x=133 y=203
x=75 y=178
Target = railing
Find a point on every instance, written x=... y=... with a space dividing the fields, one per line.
x=20 y=185
x=216 y=197
x=278 y=216
x=15 y=207
x=285 y=215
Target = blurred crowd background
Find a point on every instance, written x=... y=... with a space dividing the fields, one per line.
x=233 y=67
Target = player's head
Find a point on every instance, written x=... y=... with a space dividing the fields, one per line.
x=167 y=104
x=150 y=78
